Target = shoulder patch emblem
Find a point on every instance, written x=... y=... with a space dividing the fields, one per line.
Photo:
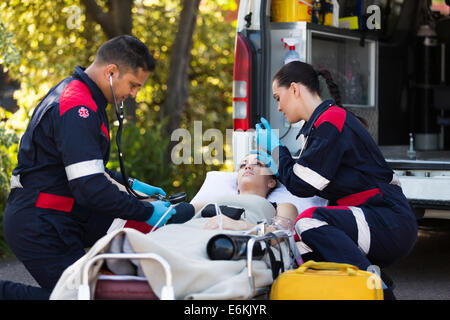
x=76 y=94
x=334 y=115
x=83 y=112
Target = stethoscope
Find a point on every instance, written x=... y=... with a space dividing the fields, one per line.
x=311 y=127
x=119 y=114
x=174 y=199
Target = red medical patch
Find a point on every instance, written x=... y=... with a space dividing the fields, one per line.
x=83 y=112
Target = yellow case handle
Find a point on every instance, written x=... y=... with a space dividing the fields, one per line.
x=311 y=264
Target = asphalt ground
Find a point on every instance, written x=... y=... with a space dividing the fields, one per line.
x=423 y=275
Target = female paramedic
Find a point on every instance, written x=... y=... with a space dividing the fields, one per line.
x=368 y=220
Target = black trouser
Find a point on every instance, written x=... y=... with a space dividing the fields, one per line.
x=18 y=291
x=46 y=241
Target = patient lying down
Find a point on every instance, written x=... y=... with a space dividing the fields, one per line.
x=183 y=246
x=254 y=178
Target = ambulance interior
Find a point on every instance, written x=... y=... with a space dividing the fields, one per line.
x=397 y=76
x=392 y=66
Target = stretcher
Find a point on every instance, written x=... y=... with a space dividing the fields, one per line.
x=123 y=287
x=132 y=287
x=85 y=279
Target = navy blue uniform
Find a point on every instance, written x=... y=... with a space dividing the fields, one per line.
x=368 y=220
x=61 y=201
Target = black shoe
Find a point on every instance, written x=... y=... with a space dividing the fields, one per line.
x=388 y=293
x=1 y=290
x=387 y=280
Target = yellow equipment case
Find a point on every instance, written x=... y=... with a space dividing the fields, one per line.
x=326 y=281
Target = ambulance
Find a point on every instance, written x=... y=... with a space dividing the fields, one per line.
x=391 y=61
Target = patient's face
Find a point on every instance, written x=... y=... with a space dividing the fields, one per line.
x=253 y=175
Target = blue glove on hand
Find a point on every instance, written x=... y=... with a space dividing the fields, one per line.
x=146 y=188
x=267 y=160
x=159 y=208
x=265 y=138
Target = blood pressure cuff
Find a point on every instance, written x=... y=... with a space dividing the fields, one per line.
x=231 y=212
x=184 y=212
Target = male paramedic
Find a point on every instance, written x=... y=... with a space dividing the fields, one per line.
x=61 y=199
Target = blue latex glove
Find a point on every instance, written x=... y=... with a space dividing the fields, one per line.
x=265 y=138
x=146 y=188
x=159 y=208
x=267 y=160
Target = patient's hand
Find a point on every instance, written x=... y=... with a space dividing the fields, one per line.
x=227 y=223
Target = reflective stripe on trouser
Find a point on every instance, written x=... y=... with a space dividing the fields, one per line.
x=338 y=234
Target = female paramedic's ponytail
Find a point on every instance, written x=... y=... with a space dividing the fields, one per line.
x=304 y=73
x=335 y=93
x=332 y=86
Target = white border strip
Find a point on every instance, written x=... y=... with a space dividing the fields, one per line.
x=363 y=229
x=15 y=182
x=310 y=176
x=84 y=168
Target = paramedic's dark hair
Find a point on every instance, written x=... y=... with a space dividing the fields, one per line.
x=126 y=51
x=304 y=73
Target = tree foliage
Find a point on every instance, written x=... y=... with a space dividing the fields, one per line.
x=8 y=160
x=49 y=38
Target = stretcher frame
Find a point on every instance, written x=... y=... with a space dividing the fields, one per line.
x=167 y=293
x=84 y=292
x=280 y=234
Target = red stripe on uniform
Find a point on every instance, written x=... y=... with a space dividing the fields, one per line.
x=305 y=214
x=334 y=115
x=105 y=131
x=308 y=213
x=51 y=201
x=359 y=198
x=74 y=95
x=139 y=226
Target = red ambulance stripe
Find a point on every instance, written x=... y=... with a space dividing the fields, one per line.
x=51 y=201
